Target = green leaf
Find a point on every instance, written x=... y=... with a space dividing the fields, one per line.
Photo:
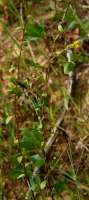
x=84 y=28
x=13 y=80
x=46 y=99
x=31 y=138
x=38 y=160
x=43 y=184
x=19 y=159
x=17 y=168
x=72 y=19
x=16 y=172
x=72 y=25
x=12 y=68
x=35 y=183
x=70 y=15
x=12 y=9
x=60 y=186
x=34 y=31
x=21 y=176
x=37 y=104
x=70 y=175
x=31 y=63
x=60 y=28
x=8 y=119
x=68 y=67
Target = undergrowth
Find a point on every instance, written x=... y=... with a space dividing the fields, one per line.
x=43 y=74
